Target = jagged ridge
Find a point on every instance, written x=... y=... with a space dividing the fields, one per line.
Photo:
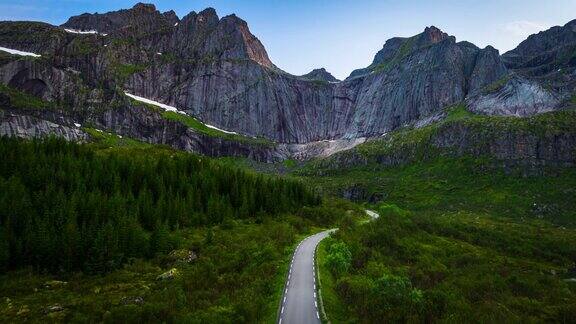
x=216 y=70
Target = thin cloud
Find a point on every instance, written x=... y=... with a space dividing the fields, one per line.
x=507 y=36
x=523 y=28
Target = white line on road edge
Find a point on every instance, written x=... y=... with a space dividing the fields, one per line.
x=283 y=301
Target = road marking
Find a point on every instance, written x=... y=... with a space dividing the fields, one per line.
x=289 y=277
x=286 y=290
x=284 y=299
x=315 y=304
x=314 y=295
x=317 y=315
x=282 y=312
x=280 y=321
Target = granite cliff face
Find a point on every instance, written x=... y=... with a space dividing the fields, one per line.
x=215 y=70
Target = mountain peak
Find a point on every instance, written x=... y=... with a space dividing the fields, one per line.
x=397 y=48
x=142 y=18
x=209 y=12
x=319 y=75
x=171 y=17
x=432 y=35
x=226 y=38
x=148 y=7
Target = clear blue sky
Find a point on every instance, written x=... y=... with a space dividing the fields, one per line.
x=339 y=35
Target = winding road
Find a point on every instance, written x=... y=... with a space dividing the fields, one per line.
x=300 y=299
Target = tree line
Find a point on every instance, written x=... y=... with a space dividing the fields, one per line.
x=65 y=206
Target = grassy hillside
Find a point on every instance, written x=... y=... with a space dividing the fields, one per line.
x=462 y=133
x=407 y=169
x=458 y=240
x=455 y=267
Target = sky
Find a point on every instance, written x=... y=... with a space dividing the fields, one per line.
x=339 y=35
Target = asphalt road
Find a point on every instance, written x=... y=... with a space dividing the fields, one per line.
x=300 y=302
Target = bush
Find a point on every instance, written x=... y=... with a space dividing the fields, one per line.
x=339 y=258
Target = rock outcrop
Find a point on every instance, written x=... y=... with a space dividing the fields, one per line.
x=525 y=143
x=22 y=126
x=514 y=97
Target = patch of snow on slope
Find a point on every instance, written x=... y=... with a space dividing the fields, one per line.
x=17 y=52
x=170 y=108
x=82 y=32
x=218 y=129
x=152 y=102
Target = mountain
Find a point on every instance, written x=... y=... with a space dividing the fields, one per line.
x=142 y=18
x=319 y=75
x=216 y=72
x=549 y=57
x=398 y=47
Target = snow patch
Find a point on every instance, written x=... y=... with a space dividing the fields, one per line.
x=77 y=125
x=218 y=129
x=174 y=109
x=83 y=32
x=152 y=102
x=17 y=52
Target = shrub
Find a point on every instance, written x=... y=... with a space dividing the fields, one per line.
x=339 y=258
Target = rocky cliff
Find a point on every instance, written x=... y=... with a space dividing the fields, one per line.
x=533 y=143
x=216 y=70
